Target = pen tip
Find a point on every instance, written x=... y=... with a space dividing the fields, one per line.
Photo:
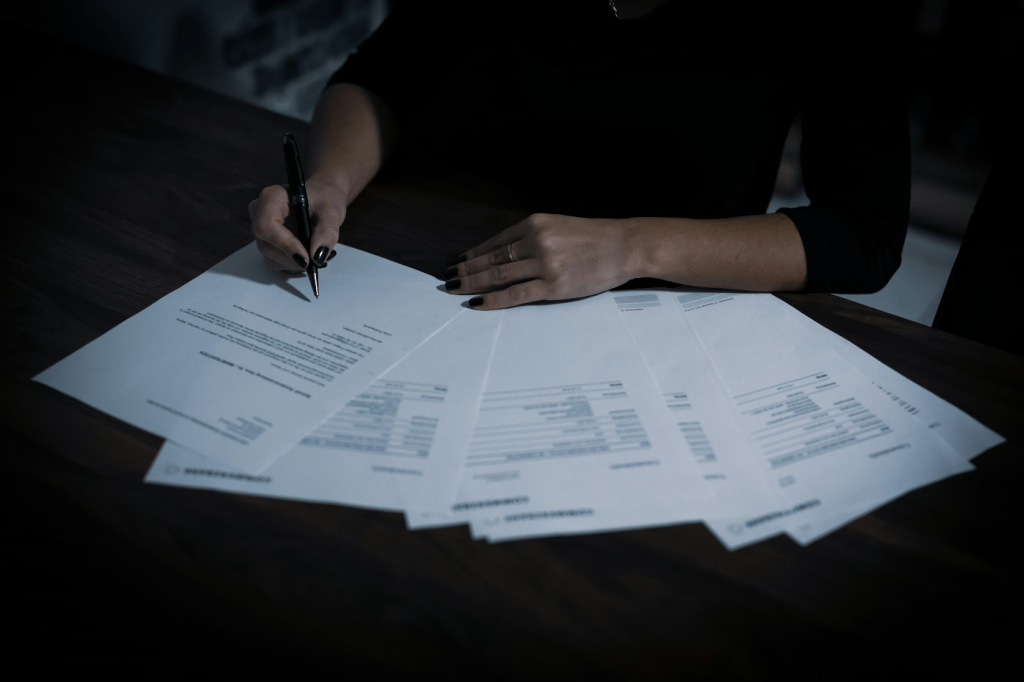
x=315 y=279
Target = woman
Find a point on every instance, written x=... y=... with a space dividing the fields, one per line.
x=655 y=141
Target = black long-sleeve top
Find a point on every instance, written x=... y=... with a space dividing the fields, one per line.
x=682 y=113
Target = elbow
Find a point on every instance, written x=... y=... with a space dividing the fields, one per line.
x=880 y=254
x=883 y=237
x=850 y=252
x=878 y=275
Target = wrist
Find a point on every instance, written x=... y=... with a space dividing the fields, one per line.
x=649 y=253
x=335 y=190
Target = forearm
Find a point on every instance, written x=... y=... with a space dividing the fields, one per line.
x=553 y=257
x=352 y=134
x=752 y=253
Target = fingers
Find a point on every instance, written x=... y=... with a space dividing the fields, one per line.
x=502 y=262
x=502 y=239
x=517 y=294
x=273 y=239
x=300 y=267
x=498 y=276
x=282 y=249
x=272 y=257
x=327 y=221
x=503 y=255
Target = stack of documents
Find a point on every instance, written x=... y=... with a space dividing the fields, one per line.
x=628 y=409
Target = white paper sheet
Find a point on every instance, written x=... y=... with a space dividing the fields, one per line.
x=699 y=410
x=239 y=364
x=700 y=407
x=571 y=425
x=400 y=441
x=967 y=436
x=828 y=438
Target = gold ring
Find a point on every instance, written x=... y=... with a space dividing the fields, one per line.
x=511 y=256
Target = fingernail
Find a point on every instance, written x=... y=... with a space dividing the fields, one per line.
x=453 y=284
x=300 y=261
x=333 y=254
x=476 y=301
x=450 y=273
x=460 y=259
x=320 y=256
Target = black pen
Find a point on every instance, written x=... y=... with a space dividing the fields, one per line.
x=300 y=204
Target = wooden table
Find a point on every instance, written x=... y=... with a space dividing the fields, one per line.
x=123 y=185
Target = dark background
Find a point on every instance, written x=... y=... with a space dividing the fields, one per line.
x=278 y=54
x=65 y=596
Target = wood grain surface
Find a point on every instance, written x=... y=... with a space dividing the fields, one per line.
x=121 y=185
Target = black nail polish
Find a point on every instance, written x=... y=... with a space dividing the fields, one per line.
x=300 y=261
x=333 y=254
x=460 y=259
x=450 y=273
x=476 y=301
x=453 y=284
x=320 y=256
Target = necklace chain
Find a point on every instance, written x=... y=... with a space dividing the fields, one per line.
x=611 y=3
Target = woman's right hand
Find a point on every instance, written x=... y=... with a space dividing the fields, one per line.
x=274 y=227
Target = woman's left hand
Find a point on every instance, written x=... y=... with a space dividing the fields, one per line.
x=546 y=257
